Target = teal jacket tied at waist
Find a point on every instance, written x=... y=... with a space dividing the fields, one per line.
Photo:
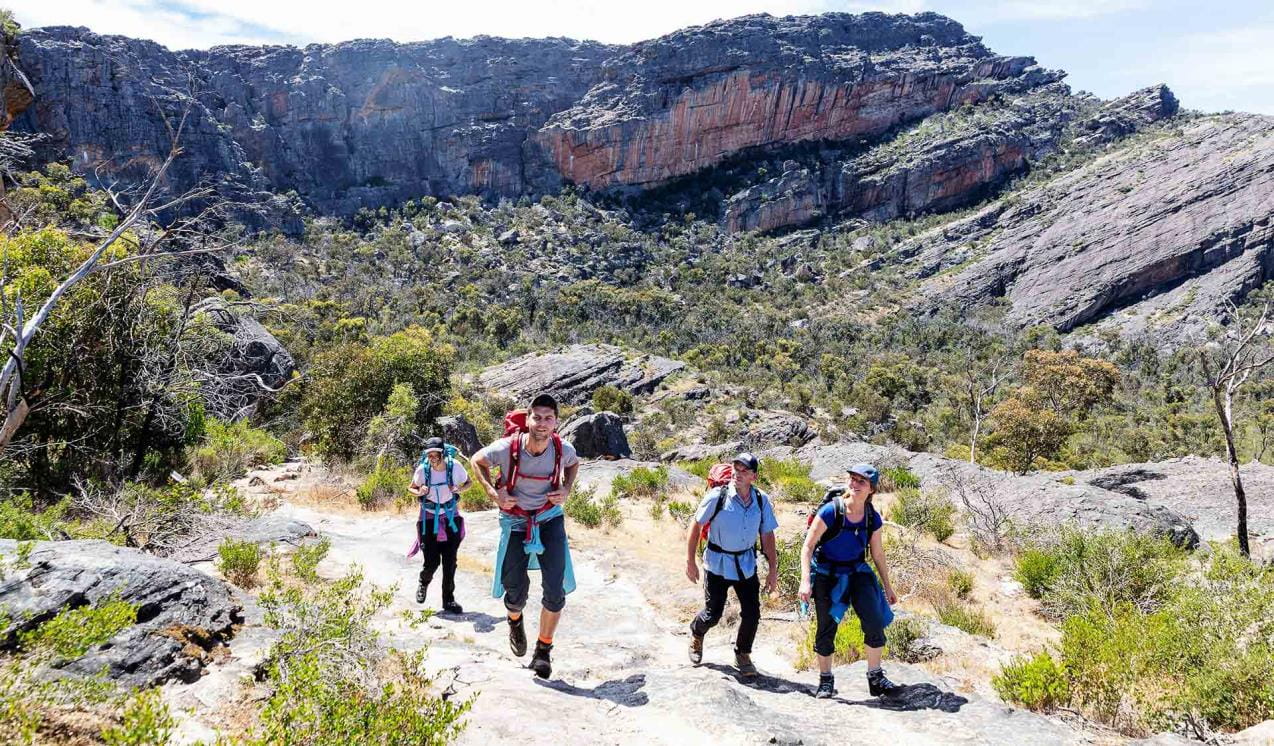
x=843 y=572
x=531 y=545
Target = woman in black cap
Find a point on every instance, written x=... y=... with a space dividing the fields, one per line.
x=437 y=482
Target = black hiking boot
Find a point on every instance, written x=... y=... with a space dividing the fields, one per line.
x=540 y=663
x=826 y=686
x=879 y=686
x=421 y=590
x=517 y=637
x=451 y=607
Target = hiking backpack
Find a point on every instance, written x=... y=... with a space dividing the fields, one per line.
x=514 y=426
x=836 y=496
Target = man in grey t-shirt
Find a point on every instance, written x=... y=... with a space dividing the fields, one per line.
x=541 y=479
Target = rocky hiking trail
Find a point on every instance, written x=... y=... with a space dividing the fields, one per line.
x=620 y=670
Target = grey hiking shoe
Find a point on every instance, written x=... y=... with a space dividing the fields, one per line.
x=743 y=662
x=421 y=590
x=540 y=662
x=517 y=637
x=696 y=649
x=879 y=685
x=826 y=687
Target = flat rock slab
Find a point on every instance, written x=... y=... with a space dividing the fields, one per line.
x=574 y=373
x=182 y=613
x=619 y=668
x=1034 y=498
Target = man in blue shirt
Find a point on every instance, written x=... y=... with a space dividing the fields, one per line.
x=736 y=514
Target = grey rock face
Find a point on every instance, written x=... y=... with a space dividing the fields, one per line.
x=573 y=374
x=182 y=613
x=1199 y=489
x=256 y=360
x=461 y=433
x=1039 y=499
x=598 y=435
x=369 y=123
x=1164 y=231
x=358 y=124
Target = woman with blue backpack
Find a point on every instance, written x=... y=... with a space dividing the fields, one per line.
x=440 y=528
x=835 y=572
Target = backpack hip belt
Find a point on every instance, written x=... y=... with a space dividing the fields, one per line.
x=738 y=567
x=531 y=542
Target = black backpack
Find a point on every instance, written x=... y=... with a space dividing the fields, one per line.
x=836 y=496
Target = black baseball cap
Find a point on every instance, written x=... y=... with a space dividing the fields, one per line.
x=544 y=400
x=748 y=460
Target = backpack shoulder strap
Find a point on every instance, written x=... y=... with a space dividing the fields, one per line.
x=515 y=448
x=721 y=493
x=556 y=480
x=838 y=520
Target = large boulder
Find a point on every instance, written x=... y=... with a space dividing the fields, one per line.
x=255 y=361
x=1035 y=499
x=598 y=435
x=1199 y=489
x=182 y=614
x=461 y=433
x=574 y=373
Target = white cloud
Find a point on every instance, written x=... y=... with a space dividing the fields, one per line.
x=1213 y=71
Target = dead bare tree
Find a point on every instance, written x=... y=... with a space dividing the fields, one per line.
x=1228 y=364
x=985 y=511
x=978 y=382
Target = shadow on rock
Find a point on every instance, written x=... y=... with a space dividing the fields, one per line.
x=482 y=623
x=626 y=692
x=761 y=682
x=912 y=697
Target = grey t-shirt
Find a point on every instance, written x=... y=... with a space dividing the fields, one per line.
x=530 y=493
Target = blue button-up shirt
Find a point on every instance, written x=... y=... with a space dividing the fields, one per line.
x=735 y=528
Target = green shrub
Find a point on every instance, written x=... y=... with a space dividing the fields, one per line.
x=964 y=616
x=333 y=682
x=1036 y=569
x=641 y=482
x=896 y=478
x=681 y=512
x=146 y=722
x=904 y=637
x=610 y=399
x=384 y=485
x=73 y=632
x=230 y=449
x=1105 y=568
x=1202 y=662
x=789 y=556
x=351 y=383
x=239 y=561
x=475 y=498
x=923 y=511
x=22 y=521
x=581 y=506
x=1035 y=682
x=306 y=558
x=789 y=479
x=698 y=467
x=961 y=583
x=849 y=647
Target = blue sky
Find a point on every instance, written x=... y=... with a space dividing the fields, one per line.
x=1215 y=56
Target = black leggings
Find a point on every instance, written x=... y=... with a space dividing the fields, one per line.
x=863 y=591
x=443 y=552
x=748 y=591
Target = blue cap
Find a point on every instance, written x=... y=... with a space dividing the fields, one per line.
x=868 y=471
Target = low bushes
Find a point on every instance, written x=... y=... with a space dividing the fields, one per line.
x=641 y=482
x=1035 y=682
x=582 y=507
x=385 y=484
x=230 y=449
x=924 y=511
x=239 y=561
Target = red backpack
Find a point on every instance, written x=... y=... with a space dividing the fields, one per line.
x=514 y=427
x=719 y=476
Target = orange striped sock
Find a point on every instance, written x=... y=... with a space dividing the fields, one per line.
x=546 y=642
